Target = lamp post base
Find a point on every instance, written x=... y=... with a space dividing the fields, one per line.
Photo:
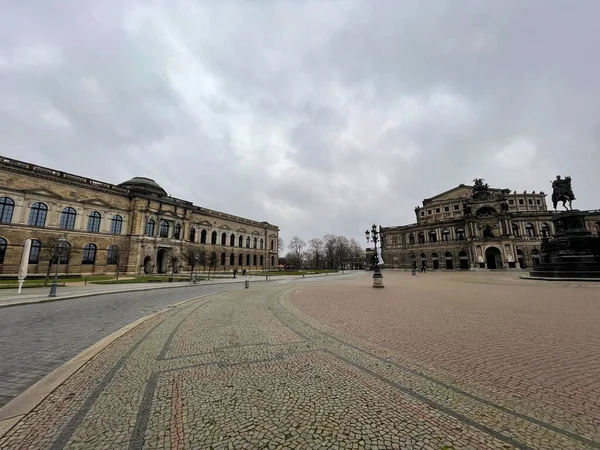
x=52 y=290
x=378 y=280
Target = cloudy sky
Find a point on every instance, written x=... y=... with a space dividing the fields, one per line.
x=318 y=116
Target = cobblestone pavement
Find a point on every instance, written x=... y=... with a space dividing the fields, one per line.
x=247 y=369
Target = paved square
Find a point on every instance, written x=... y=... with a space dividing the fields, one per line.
x=436 y=361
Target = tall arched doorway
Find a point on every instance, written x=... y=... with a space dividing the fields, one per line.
x=520 y=258
x=535 y=257
x=435 y=261
x=162 y=258
x=147 y=264
x=464 y=260
x=449 y=262
x=493 y=257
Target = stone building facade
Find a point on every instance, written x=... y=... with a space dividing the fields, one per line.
x=474 y=227
x=135 y=227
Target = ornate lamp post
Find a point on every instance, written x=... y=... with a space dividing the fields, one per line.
x=375 y=235
x=60 y=248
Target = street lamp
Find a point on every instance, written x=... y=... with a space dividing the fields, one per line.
x=375 y=235
x=60 y=247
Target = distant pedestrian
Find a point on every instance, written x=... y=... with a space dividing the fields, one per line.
x=234 y=272
x=244 y=272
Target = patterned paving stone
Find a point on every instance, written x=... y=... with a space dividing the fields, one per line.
x=283 y=367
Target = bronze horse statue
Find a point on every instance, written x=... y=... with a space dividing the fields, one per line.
x=562 y=192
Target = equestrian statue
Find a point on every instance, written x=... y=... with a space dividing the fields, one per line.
x=562 y=192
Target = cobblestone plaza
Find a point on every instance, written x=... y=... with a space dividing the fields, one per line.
x=434 y=361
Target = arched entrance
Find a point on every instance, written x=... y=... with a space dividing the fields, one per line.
x=435 y=261
x=161 y=260
x=520 y=259
x=464 y=260
x=147 y=264
x=535 y=256
x=449 y=262
x=493 y=257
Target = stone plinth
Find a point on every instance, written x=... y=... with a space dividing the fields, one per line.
x=573 y=252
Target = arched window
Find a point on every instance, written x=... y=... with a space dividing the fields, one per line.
x=241 y=241
x=164 y=229
x=411 y=239
x=247 y=260
x=116 y=224
x=93 y=225
x=448 y=255
x=203 y=237
x=213 y=238
x=272 y=261
x=272 y=244
x=65 y=253
x=460 y=234
x=515 y=230
x=262 y=260
x=89 y=254
x=445 y=235
x=112 y=255
x=254 y=260
x=255 y=243
x=7 y=206
x=34 y=253
x=240 y=260
x=232 y=240
x=223 y=238
x=223 y=259
x=421 y=238
x=177 y=231
x=529 y=230
x=232 y=260
x=3 y=245
x=67 y=219
x=545 y=230
x=150 y=227
x=192 y=234
x=37 y=215
x=248 y=242
x=432 y=236
x=262 y=244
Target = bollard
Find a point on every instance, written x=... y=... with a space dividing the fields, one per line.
x=247 y=284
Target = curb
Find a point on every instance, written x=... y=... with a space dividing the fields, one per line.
x=27 y=401
x=582 y=280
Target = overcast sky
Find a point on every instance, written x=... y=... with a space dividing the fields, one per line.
x=318 y=116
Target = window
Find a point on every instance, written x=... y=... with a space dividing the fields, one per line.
x=460 y=234
x=511 y=202
x=545 y=230
x=421 y=238
x=240 y=260
x=241 y=241
x=422 y=213
x=394 y=241
x=529 y=230
x=7 y=206
x=254 y=260
x=515 y=230
x=530 y=201
x=437 y=210
x=411 y=239
x=192 y=234
x=37 y=216
x=89 y=254
x=262 y=244
x=150 y=227
x=272 y=244
x=203 y=236
x=213 y=238
x=521 y=201
x=65 y=253
x=432 y=236
x=428 y=212
x=232 y=259
x=232 y=240
x=262 y=261
x=94 y=222
x=112 y=255
x=67 y=219
x=3 y=245
x=446 y=209
x=116 y=224
x=247 y=260
x=34 y=253
x=446 y=235
x=177 y=231
x=456 y=207
x=539 y=202
x=255 y=243
x=248 y=242
x=272 y=261
x=164 y=229
x=223 y=259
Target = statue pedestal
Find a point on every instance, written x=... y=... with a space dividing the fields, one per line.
x=378 y=280
x=573 y=252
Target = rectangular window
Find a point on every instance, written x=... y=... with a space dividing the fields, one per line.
x=447 y=208
x=521 y=202
x=456 y=207
x=539 y=202
x=437 y=210
x=422 y=213
x=429 y=212
x=511 y=202
x=531 y=201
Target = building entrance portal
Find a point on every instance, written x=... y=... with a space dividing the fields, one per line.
x=162 y=260
x=493 y=258
x=147 y=264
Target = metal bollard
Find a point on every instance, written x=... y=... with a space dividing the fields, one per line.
x=247 y=284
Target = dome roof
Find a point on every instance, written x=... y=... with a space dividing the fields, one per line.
x=142 y=184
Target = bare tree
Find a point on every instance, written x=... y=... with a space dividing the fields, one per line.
x=192 y=255
x=329 y=245
x=316 y=251
x=280 y=246
x=49 y=252
x=296 y=246
x=342 y=250
x=120 y=255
